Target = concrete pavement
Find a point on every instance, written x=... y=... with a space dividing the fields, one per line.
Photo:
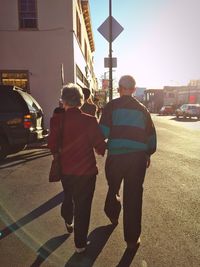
x=33 y=233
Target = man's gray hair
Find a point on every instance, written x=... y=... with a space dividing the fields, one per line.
x=72 y=95
x=127 y=82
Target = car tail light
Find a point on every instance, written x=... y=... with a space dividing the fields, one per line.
x=27 y=121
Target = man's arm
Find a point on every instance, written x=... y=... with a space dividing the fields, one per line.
x=97 y=138
x=106 y=121
x=151 y=135
x=151 y=138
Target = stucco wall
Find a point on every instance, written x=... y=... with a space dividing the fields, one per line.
x=42 y=51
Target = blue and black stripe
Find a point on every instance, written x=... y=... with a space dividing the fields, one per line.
x=128 y=126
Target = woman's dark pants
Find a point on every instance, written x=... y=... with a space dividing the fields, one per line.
x=131 y=169
x=78 y=195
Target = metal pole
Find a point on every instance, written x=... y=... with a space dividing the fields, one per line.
x=110 y=52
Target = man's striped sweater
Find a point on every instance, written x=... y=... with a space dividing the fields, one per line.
x=128 y=126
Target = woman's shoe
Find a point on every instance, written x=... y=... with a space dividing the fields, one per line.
x=69 y=227
x=80 y=250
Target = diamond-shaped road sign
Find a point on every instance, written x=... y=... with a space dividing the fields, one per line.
x=116 y=29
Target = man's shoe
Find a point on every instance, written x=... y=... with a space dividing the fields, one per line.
x=133 y=245
x=80 y=250
x=69 y=227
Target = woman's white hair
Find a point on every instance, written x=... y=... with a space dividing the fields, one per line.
x=72 y=95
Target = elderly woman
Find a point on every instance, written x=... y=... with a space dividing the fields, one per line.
x=81 y=135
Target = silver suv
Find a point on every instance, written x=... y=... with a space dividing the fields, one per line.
x=188 y=110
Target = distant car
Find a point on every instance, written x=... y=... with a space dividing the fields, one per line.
x=21 y=120
x=188 y=110
x=166 y=110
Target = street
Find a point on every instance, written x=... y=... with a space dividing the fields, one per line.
x=33 y=234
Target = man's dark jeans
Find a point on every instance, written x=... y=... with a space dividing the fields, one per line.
x=78 y=195
x=130 y=168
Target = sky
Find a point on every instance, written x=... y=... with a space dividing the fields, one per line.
x=160 y=43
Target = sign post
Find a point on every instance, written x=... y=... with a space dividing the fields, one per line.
x=110 y=29
x=110 y=52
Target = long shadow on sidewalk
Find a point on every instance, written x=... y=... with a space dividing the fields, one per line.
x=16 y=160
x=48 y=248
x=127 y=257
x=50 y=204
x=97 y=238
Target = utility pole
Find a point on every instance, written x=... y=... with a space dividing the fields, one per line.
x=110 y=52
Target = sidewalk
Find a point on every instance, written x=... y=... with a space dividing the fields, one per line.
x=33 y=232
x=38 y=145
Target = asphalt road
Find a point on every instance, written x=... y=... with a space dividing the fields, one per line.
x=33 y=234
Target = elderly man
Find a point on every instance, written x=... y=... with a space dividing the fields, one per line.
x=131 y=135
x=81 y=135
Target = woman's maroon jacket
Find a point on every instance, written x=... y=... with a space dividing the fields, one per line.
x=81 y=135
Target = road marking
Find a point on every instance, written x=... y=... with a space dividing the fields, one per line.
x=144 y=263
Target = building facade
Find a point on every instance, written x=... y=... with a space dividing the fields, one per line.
x=174 y=96
x=179 y=95
x=153 y=99
x=45 y=44
x=139 y=93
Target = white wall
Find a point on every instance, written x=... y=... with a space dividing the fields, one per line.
x=42 y=51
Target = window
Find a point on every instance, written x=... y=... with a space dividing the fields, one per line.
x=27 y=14
x=11 y=101
x=79 y=73
x=17 y=78
x=31 y=102
x=86 y=52
x=78 y=27
x=81 y=77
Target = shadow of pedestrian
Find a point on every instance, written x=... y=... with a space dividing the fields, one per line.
x=97 y=240
x=49 y=247
x=50 y=204
x=185 y=119
x=23 y=158
x=128 y=257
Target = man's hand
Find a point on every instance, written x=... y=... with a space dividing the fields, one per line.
x=148 y=160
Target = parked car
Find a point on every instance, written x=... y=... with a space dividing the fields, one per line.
x=188 y=110
x=21 y=120
x=166 y=110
